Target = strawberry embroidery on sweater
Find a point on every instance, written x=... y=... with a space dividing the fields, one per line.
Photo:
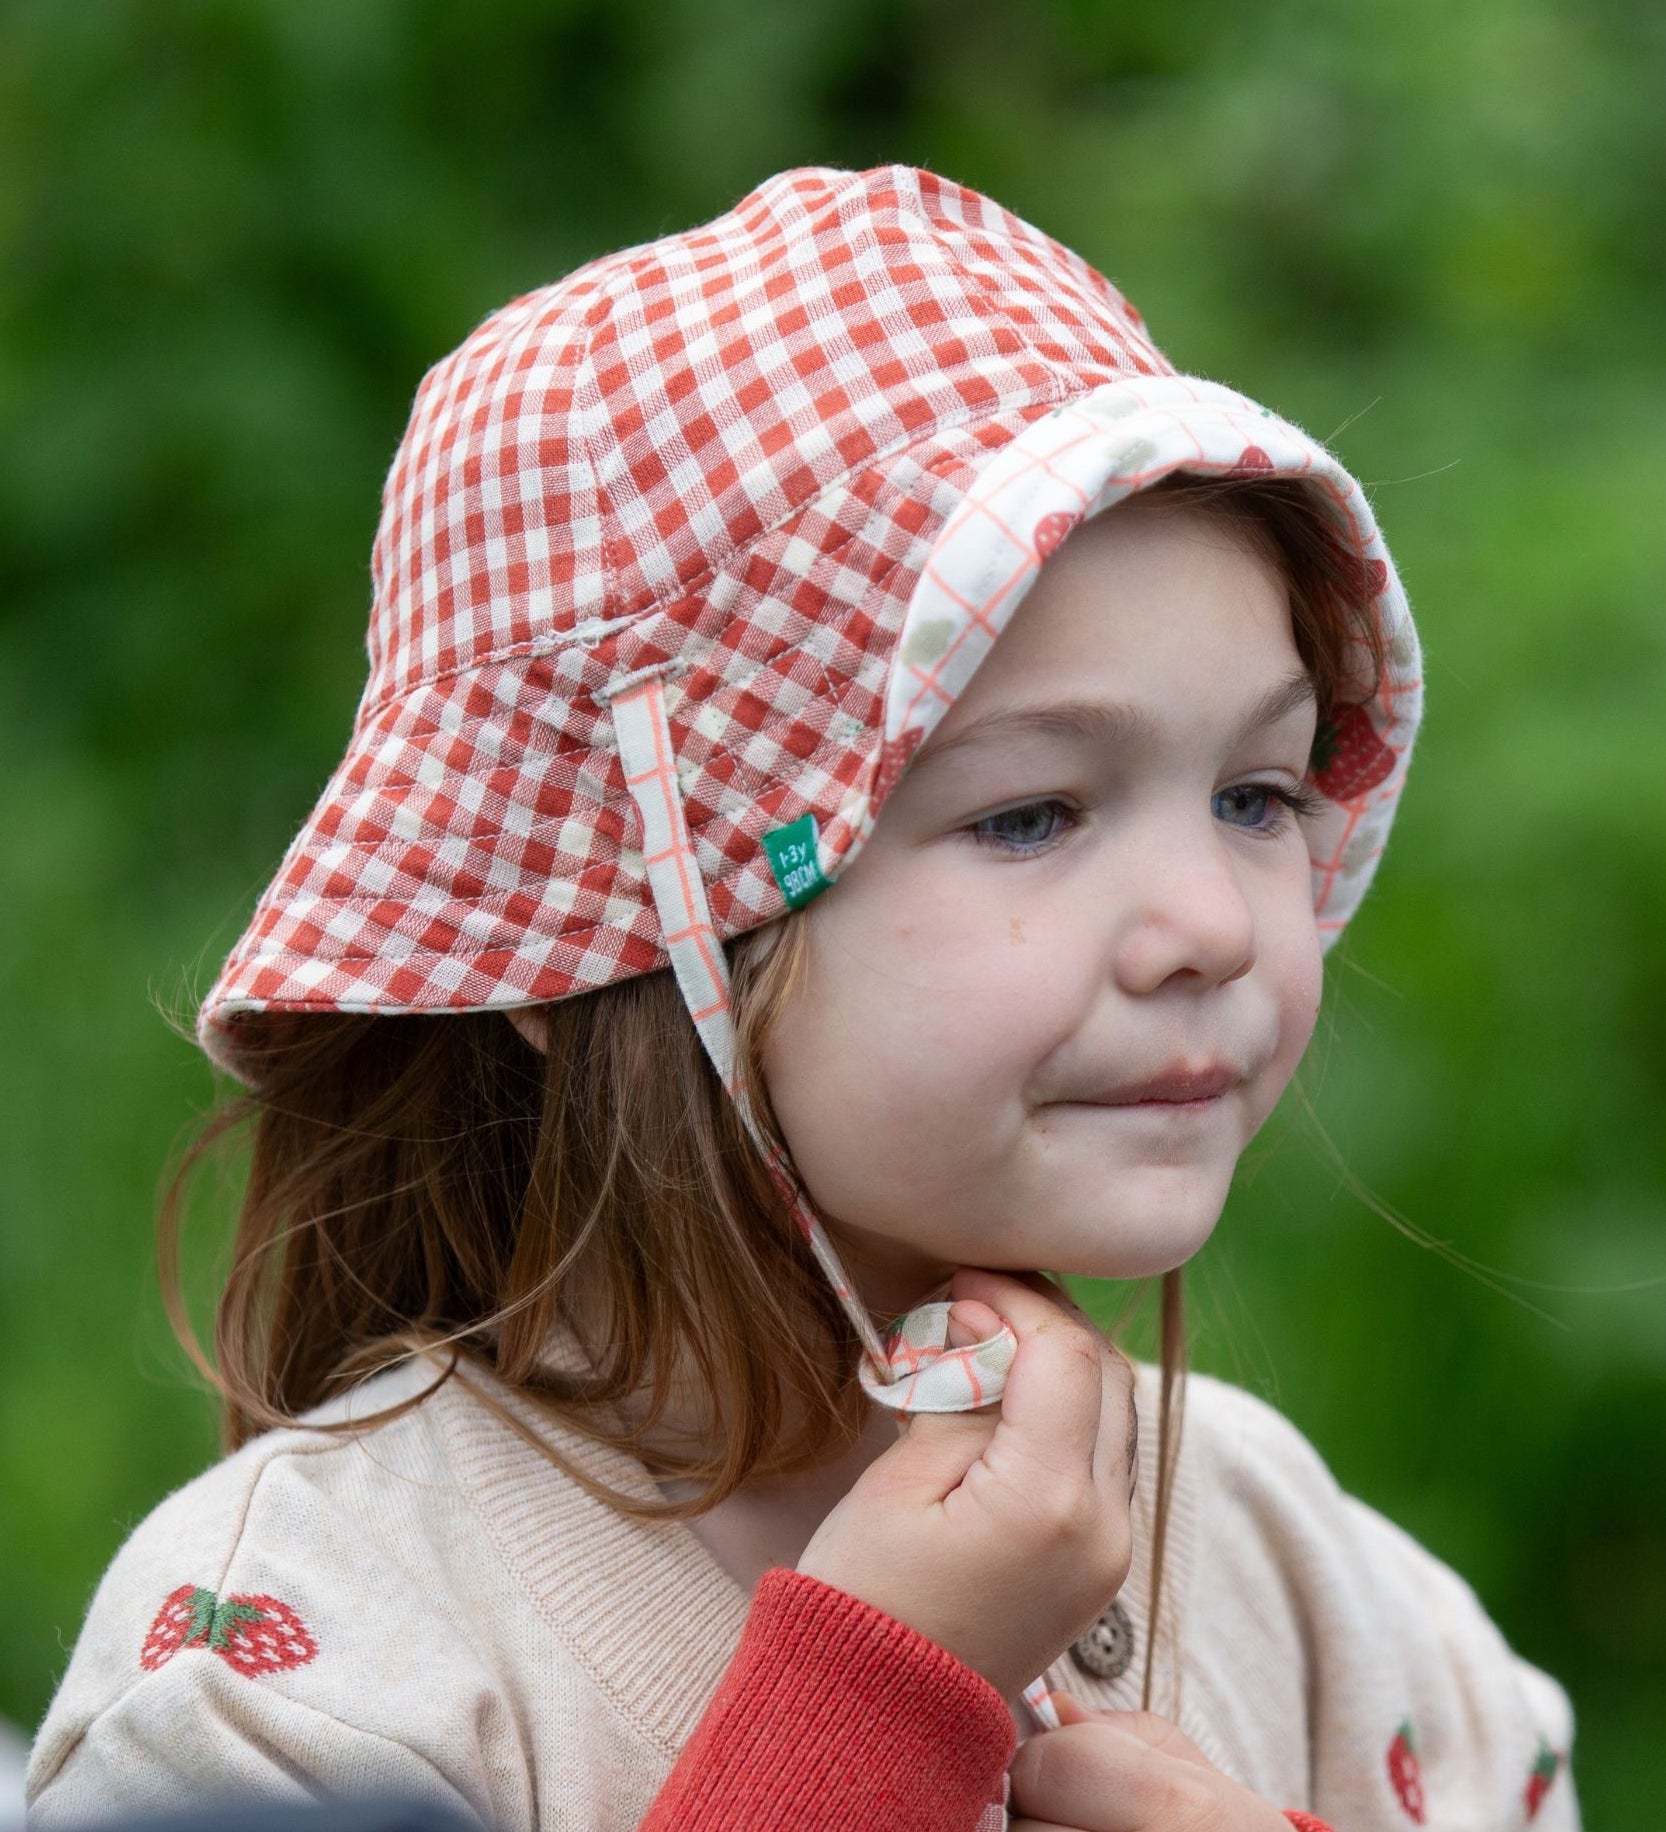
x=1349 y=759
x=251 y=1634
x=1405 y=1772
x=1544 y=1771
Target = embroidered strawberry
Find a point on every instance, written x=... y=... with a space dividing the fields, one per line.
x=261 y=1635
x=177 y=1622
x=251 y=1634
x=1545 y=1766
x=1052 y=529
x=1405 y=1773
x=1252 y=460
x=1349 y=759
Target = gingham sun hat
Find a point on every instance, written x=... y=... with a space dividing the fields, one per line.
x=680 y=560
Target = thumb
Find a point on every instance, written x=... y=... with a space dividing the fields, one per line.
x=935 y=1449
x=972 y=1321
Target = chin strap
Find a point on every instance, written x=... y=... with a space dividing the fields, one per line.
x=915 y=1370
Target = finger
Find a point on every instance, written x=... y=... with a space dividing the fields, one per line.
x=947 y=1446
x=969 y=1323
x=1051 y=1407
x=1154 y=1732
x=1116 y=1462
x=1060 y=1295
x=931 y=1456
x=1091 y=1775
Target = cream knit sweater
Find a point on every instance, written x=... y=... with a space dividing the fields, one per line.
x=432 y=1609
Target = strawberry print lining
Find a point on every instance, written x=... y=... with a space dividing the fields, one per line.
x=1349 y=759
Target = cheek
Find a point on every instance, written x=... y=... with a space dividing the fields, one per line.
x=1299 y=979
x=903 y=1057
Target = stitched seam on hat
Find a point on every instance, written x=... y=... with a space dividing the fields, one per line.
x=603 y=740
x=550 y=641
x=479 y=836
x=575 y=936
x=828 y=746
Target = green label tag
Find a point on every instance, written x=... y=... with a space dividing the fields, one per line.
x=792 y=858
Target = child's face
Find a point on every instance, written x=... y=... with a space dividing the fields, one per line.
x=1085 y=883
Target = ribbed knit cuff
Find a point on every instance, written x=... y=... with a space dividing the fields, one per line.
x=833 y=1714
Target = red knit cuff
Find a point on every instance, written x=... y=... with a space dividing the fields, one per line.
x=1304 y=1822
x=833 y=1714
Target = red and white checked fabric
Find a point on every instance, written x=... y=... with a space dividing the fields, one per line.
x=734 y=450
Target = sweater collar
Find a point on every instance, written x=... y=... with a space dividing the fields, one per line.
x=640 y=1604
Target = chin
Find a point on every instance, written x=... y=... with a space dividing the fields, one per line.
x=1140 y=1247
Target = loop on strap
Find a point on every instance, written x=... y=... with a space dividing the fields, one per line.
x=923 y=1374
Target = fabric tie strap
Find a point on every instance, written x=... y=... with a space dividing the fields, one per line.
x=926 y=1375
x=916 y=1371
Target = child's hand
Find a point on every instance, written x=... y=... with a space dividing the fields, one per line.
x=1126 y=1771
x=1001 y=1535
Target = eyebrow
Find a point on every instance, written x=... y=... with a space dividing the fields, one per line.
x=1095 y=722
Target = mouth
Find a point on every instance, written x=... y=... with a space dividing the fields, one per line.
x=1181 y=1088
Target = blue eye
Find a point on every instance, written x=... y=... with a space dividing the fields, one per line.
x=1030 y=827
x=1263 y=807
x=1245 y=804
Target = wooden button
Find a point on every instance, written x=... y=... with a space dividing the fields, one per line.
x=1107 y=1649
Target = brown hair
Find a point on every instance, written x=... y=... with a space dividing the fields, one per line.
x=435 y=1183
x=431 y=1182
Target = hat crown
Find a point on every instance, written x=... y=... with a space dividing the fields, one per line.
x=608 y=442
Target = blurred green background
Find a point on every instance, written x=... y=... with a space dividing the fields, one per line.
x=233 y=233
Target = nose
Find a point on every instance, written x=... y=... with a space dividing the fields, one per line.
x=1188 y=917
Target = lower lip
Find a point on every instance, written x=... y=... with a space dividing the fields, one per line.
x=1156 y=1106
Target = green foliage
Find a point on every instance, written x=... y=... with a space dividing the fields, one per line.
x=234 y=232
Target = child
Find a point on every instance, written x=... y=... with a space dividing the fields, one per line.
x=853 y=582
